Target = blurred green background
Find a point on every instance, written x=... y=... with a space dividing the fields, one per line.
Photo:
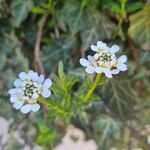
x=64 y=30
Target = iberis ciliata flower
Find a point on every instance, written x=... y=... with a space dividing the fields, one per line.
x=105 y=60
x=28 y=87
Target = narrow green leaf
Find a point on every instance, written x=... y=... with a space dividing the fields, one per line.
x=37 y=10
x=61 y=73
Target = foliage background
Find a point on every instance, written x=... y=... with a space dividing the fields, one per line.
x=64 y=30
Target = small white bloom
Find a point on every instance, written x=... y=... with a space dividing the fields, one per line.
x=27 y=89
x=99 y=47
x=89 y=63
x=104 y=60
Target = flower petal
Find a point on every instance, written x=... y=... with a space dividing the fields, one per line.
x=96 y=56
x=13 y=98
x=98 y=69
x=84 y=62
x=46 y=93
x=114 y=49
x=115 y=71
x=35 y=95
x=18 y=105
x=30 y=73
x=90 y=58
x=122 y=67
x=122 y=59
x=26 y=108
x=90 y=69
x=94 y=48
x=18 y=83
x=13 y=91
x=41 y=78
x=47 y=84
x=22 y=75
x=35 y=76
x=35 y=107
x=102 y=46
x=107 y=72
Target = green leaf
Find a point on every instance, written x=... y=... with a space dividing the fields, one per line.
x=57 y=49
x=20 y=10
x=57 y=110
x=131 y=7
x=61 y=72
x=75 y=17
x=111 y=6
x=139 y=29
x=102 y=29
x=117 y=95
x=107 y=126
x=46 y=136
x=37 y=10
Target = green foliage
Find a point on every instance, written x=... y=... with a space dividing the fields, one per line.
x=107 y=126
x=69 y=30
x=78 y=22
x=20 y=10
x=132 y=7
x=101 y=28
x=58 y=49
x=139 y=29
x=46 y=136
x=61 y=103
x=38 y=10
x=118 y=97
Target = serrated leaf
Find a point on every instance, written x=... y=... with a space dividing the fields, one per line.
x=20 y=10
x=107 y=126
x=117 y=95
x=139 y=29
x=55 y=109
x=46 y=135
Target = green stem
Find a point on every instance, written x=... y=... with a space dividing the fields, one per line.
x=90 y=92
x=43 y=101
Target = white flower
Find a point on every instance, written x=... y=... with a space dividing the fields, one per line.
x=99 y=47
x=89 y=63
x=28 y=87
x=105 y=60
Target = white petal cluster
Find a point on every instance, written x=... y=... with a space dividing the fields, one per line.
x=28 y=87
x=105 y=60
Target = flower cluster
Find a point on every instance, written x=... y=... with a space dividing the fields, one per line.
x=104 y=60
x=27 y=89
